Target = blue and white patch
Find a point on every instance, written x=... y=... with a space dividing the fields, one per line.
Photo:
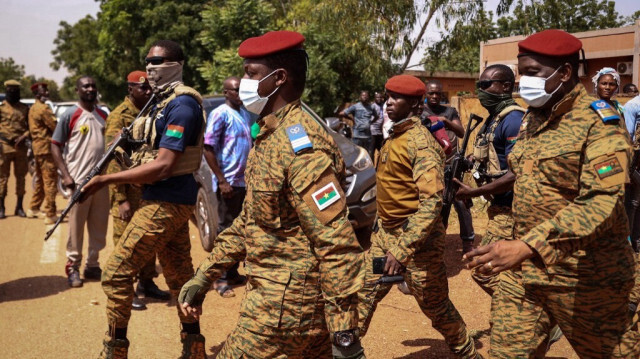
x=605 y=111
x=298 y=138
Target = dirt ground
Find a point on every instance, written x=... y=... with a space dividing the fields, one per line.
x=41 y=317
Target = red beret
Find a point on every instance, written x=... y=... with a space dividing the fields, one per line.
x=556 y=43
x=270 y=43
x=137 y=77
x=35 y=86
x=406 y=85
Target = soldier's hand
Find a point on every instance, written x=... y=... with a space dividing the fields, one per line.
x=464 y=191
x=392 y=267
x=93 y=186
x=192 y=295
x=69 y=183
x=124 y=210
x=497 y=257
x=225 y=189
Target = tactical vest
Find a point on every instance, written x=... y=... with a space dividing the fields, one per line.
x=483 y=150
x=144 y=130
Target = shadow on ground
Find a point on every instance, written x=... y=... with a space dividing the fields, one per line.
x=32 y=288
x=437 y=348
x=453 y=253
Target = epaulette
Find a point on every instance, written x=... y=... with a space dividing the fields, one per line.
x=605 y=111
x=298 y=138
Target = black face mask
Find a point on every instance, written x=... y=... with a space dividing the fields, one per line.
x=494 y=103
x=12 y=96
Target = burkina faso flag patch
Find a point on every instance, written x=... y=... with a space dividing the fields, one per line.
x=608 y=167
x=325 y=196
x=175 y=131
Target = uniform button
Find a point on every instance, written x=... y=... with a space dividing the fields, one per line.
x=334 y=224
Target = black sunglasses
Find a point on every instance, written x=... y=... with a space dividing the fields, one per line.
x=155 y=60
x=485 y=84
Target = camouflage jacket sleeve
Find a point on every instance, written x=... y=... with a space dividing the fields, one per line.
x=602 y=173
x=229 y=248
x=320 y=204
x=115 y=122
x=428 y=175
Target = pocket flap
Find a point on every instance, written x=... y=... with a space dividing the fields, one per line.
x=304 y=177
x=276 y=275
x=558 y=150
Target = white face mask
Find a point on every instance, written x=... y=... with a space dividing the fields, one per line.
x=248 y=93
x=532 y=90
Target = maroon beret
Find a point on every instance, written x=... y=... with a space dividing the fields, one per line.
x=556 y=43
x=406 y=85
x=137 y=77
x=270 y=43
x=35 y=86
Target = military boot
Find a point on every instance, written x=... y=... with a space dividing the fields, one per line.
x=192 y=346
x=19 y=211
x=114 y=348
x=2 y=208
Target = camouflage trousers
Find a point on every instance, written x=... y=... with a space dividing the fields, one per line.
x=594 y=317
x=46 y=185
x=499 y=227
x=426 y=277
x=148 y=271
x=20 y=168
x=156 y=228
x=635 y=292
x=258 y=342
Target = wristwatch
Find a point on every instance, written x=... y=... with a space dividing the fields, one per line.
x=344 y=338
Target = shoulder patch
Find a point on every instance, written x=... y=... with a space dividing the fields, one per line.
x=605 y=111
x=298 y=138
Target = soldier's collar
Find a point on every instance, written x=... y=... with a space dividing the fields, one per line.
x=565 y=105
x=403 y=126
x=271 y=121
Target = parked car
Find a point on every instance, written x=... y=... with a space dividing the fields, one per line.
x=360 y=185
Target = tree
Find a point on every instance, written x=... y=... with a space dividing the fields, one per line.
x=569 y=15
x=10 y=70
x=115 y=43
x=458 y=50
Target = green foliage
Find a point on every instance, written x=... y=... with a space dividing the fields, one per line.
x=569 y=15
x=9 y=70
x=459 y=49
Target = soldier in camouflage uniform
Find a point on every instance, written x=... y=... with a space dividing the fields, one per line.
x=125 y=198
x=172 y=134
x=570 y=262
x=303 y=261
x=14 y=129
x=493 y=143
x=42 y=123
x=410 y=232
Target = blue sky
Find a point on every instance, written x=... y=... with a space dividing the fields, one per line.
x=28 y=28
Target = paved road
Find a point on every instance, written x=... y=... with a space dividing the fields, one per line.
x=41 y=317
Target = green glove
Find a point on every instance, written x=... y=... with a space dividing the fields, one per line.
x=255 y=130
x=194 y=291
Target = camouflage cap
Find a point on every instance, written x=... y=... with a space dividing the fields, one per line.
x=11 y=83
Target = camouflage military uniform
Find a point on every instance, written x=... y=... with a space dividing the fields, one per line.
x=123 y=116
x=410 y=182
x=302 y=258
x=570 y=171
x=13 y=124
x=158 y=226
x=42 y=122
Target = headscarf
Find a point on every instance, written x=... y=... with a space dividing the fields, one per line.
x=606 y=71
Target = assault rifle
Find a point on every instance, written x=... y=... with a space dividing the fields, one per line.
x=121 y=141
x=459 y=165
x=635 y=195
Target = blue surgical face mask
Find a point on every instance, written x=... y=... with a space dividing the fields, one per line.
x=532 y=90
x=248 y=93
